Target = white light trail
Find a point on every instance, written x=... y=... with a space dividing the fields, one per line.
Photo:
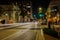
x=18 y=33
x=16 y=24
x=6 y=26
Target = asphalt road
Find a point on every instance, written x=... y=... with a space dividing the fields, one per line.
x=22 y=33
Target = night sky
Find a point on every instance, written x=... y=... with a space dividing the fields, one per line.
x=41 y=3
x=35 y=3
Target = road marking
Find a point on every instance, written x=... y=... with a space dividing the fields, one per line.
x=40 y=35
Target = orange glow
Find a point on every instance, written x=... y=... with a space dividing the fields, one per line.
x=54 y=19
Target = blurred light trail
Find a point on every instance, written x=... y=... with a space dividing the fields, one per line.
x=6 y=26
x=16 y=24
x=18 y=33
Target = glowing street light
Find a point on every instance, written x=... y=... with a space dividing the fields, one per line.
x=6 y=14
x=40 y=9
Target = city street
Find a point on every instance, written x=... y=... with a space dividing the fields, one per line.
x=25 y=32
x=29 y=19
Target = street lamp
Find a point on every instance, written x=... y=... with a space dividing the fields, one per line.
x=6 y=14
x=40 y=9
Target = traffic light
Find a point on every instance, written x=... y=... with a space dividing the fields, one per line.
x=34 y=15
x=41 y=15
x=41 y=12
